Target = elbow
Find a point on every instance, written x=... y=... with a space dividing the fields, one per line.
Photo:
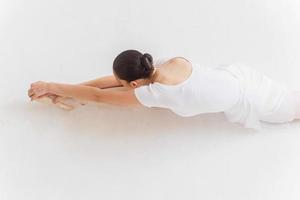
x=97 y=96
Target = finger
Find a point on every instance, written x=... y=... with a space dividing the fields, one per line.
x=57 y=99
x=52 y=96
x=42 y=96
x=33 y=85
x=36 y=96
x=30 y=91
x=33 y=97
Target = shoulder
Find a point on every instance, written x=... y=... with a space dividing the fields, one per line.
x=172 y=60
x=179 y=59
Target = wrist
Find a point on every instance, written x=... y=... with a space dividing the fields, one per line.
x=84 y=84
x=49 y=87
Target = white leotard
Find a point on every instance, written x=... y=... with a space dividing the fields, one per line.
x=243 y=94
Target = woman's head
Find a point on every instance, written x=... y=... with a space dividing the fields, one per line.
x=131 y=65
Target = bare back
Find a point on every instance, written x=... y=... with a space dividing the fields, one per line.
x=174 y=71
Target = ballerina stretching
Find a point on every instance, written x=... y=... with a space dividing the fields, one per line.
x=188 y=89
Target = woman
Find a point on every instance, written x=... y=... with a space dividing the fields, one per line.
x=188 y=89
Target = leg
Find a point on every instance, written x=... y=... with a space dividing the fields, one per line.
x=296 y=96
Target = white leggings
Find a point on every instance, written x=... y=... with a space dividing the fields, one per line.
x=296 y=97
x=288 y=110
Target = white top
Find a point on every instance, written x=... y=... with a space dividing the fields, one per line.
x=260 y=97
x=242 y=93
x=205 y=91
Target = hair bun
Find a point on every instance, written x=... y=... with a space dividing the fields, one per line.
x=147 y=61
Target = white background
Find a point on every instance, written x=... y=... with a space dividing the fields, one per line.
x=108 y=152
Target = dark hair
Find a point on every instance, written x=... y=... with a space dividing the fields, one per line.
x=132 y=64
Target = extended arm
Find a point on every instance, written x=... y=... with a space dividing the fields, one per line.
x=93 y=90
x=89 y=93
x=103 y=82
x=77 y=91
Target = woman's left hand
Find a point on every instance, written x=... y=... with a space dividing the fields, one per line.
x=38 y=90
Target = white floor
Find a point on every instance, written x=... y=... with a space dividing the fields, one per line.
x=112 y=153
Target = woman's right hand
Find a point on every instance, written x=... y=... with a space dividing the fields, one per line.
x=56 y=98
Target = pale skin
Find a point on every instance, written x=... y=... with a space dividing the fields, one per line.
x=98 y=90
